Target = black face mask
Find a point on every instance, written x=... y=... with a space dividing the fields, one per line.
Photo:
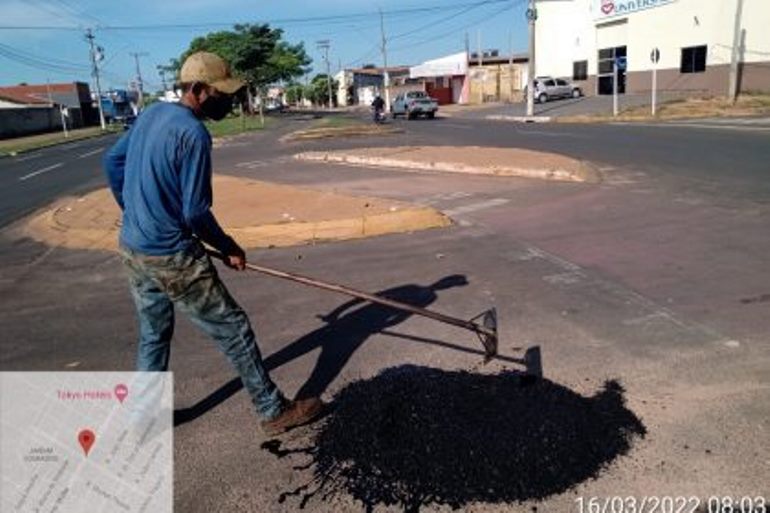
x=217 y=107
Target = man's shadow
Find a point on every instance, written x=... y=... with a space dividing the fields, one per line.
x=347 y=328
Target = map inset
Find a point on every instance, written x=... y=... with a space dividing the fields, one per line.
x=74 y=442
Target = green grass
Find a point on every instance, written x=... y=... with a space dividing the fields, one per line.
x=234 y=125
x=35 y=142
x=336 y=122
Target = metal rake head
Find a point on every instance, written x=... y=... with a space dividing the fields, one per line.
x=488 y=335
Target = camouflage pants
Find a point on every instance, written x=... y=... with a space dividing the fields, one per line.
x=189 y=281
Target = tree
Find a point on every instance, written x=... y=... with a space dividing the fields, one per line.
x=295 y=92
x=256 y=53
x=318 y=90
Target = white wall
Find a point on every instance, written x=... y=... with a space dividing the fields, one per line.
x=567 y=32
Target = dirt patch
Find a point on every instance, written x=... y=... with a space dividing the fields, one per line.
x=505 y=162
x=414 y=436
x=691 y=108
x=256 y=214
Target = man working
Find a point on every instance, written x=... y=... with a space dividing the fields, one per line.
x=160 y=175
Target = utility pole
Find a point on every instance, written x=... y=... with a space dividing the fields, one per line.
x=732 y=93
x=615 y=87
x=480 y=63
x=468 y=66
x=385 y=72
x=162 y=73
x=510 y=66
x=531 y=18
x=61 y=110
x=97 y=54
x=139 y=83
x=324 y=45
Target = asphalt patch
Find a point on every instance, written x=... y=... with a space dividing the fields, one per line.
x=414 y=436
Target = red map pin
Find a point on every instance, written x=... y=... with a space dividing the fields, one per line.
x=121 y=391
x=86 y=439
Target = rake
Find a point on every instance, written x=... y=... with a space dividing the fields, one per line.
x=483 y=325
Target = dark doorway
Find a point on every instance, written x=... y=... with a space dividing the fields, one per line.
x=606 y=62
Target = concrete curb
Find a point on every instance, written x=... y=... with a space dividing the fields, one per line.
x=520 y=119
x=584 y=172
x=296 y=233
x=46 y=226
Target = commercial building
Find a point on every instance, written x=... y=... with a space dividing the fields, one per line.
x=463 y=78
x=359 y=86
x=693 y=40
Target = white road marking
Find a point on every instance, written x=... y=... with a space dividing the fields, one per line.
x=29 y=157
x=628 y=296
x=564 y=278
x=454 y=125
x=88 y=154
x=474 y=207
x=254 y=164
x=40 y=171
x=548 y=134
x=744 y=128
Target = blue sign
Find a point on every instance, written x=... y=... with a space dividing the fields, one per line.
x=621 y=63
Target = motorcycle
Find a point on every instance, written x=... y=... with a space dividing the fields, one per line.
x=379 y=116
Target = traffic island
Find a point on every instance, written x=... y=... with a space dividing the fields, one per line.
x=504 y=162
x=257 y=214
x=328 y=132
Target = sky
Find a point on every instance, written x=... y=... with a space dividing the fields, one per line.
x=36 y=55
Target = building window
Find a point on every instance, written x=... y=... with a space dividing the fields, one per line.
x=694 y=59
x=580 y=70
x=606 y=70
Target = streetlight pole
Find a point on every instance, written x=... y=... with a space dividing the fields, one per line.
x=531 y=18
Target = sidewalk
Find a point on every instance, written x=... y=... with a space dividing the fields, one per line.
x=18 y=145
x=256 y=214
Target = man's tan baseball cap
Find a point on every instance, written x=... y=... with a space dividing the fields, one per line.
x=210 y=69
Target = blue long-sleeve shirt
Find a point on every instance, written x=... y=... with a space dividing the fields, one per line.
x=160 y=175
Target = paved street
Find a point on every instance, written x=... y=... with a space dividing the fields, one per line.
x=656 y=277
x=31 y=180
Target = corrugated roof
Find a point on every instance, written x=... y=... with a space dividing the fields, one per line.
x=37 y=94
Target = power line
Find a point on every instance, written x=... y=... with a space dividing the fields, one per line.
x=331 y=19
x=442 y=20
x=23 y=55
x=454 y=31
x=79 y=12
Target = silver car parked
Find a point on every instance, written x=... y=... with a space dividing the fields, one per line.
x=414 y=103
x=549 y=88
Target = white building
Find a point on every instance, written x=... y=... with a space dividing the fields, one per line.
x=695 y=38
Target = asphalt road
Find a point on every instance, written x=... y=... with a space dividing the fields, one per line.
x=32 y=180
x=656 y=277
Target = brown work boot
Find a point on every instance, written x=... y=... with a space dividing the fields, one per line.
x=296 y=413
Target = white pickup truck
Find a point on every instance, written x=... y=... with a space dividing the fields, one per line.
x=414 y=103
